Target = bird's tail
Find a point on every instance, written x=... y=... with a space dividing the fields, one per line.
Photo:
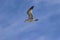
x=36 y=20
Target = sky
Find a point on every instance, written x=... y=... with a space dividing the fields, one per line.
x=13 y=14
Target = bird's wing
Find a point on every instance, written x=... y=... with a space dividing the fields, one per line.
x=29 y=13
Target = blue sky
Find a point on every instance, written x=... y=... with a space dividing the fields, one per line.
x=13 y=14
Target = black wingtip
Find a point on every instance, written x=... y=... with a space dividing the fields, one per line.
x=32 y=7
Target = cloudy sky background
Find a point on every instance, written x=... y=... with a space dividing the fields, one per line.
x=13 y=14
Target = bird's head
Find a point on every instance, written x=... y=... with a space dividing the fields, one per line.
x=35 y=19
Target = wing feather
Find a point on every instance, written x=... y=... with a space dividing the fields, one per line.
x=29 y=13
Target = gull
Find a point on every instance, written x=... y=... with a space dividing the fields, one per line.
x=30 y=15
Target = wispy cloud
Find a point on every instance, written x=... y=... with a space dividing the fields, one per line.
x=41 y=38
x=50 y=2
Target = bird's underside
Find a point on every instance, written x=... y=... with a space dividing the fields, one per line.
x=30 y=16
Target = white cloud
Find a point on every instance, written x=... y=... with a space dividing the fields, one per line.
x=58 y=38
x=53 y=1
x=41 y=38
x=47 y=1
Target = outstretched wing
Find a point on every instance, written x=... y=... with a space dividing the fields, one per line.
x=29 y=12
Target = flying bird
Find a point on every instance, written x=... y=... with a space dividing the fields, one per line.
x=30 y=16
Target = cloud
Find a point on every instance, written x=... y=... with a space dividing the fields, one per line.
x=58 y=38
x=41 y=38
x=47 y=1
